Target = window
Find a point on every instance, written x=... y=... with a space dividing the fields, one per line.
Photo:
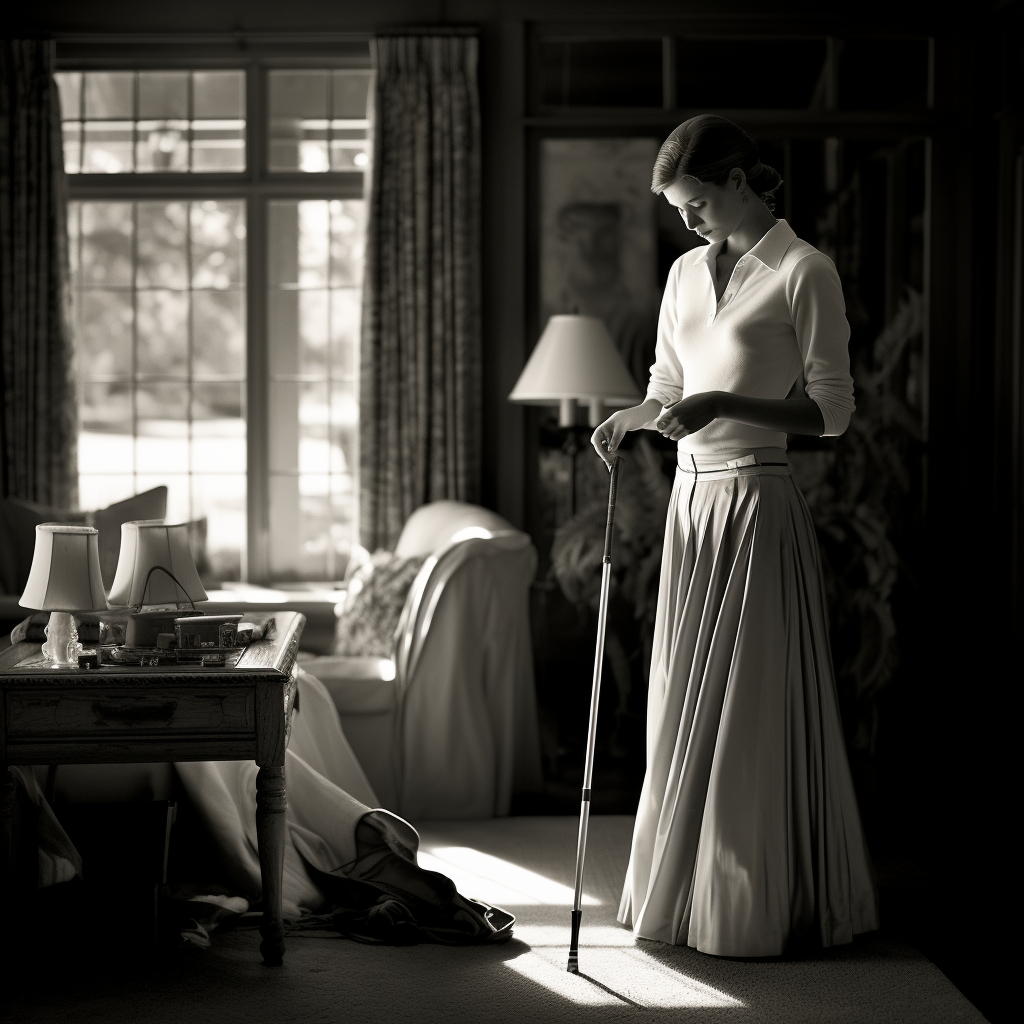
x=245 y=405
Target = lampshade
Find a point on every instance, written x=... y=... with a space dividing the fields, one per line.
x=575 y=359
x=65 y=574
x=145 y=545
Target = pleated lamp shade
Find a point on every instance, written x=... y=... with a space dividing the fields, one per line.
x=148 y=544
x=575 y=360
x=65 y=574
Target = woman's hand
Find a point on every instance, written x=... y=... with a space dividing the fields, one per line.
x=690 y=415
x=608 y=436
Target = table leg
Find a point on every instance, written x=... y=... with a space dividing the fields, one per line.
x=9 y=922
x=271 y=802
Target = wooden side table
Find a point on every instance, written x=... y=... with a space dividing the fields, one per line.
x=124 y=714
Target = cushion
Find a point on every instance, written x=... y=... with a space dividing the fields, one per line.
x=19 y=519
x=373 y=606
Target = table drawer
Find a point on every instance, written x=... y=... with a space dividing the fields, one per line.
x=129 y=711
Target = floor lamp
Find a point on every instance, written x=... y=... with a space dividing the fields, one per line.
x=575 y=361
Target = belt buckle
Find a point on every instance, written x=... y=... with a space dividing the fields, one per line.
x=747 y=460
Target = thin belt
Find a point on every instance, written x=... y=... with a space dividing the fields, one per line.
x=697 y=465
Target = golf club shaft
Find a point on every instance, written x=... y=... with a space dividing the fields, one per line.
x=595 y=700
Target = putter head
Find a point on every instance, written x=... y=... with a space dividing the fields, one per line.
x=574 y=943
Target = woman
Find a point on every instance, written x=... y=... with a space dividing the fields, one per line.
x=747 y=836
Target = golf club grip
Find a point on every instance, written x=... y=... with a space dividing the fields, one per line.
x=613 y=487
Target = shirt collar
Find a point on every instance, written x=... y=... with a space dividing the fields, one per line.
x=769 y=250
x=773 y=246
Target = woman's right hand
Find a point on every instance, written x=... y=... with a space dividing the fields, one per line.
x=608 y=436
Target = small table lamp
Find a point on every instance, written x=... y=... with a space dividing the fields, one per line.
x=155 y=568
x=64 y=578
x=576 y=360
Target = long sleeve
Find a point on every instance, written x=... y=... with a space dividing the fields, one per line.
x=666 y=384
x=823 y=335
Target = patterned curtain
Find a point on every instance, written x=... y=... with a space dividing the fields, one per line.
x=38 y=425
x=420 y=380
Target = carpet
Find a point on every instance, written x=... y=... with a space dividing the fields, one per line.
x=526 y=865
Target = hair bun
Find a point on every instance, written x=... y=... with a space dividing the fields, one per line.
x=763 y=180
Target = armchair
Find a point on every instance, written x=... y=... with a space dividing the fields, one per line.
x=447 y=728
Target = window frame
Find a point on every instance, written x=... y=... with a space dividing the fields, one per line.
x=256 y=186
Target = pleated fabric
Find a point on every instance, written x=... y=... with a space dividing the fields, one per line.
x=747 y=836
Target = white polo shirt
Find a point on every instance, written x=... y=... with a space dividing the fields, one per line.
x=781 y=322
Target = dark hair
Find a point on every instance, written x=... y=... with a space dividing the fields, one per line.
x=707 y=147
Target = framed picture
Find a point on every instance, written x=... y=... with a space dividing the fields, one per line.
x=599 y=239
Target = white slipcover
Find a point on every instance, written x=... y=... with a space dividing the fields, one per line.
x=453 y=733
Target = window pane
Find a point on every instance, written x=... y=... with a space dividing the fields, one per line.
x=218 y=333
x=344 y=426
x=218 y=244
x=161 y=146
x=72 y=147
x=104 y=332
x=69 y=84
x=346 y=306
x=348 y=145
x=298 y=120
x=106 y=244
x=314 y=325
x=219 y=499
x=107 y=147
x=350 y=92
x=218 y=94
x=104 y=450
x=218 y=411
x=165 y=403
x=348 y=234
x=218 y=145
x=314 y=244
x=162 y=333
x=108 y=94
x=163 y=94
x=314 y=417
x=106 y=408
x=161 y=243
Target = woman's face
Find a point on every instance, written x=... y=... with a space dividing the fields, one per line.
x=712 y=211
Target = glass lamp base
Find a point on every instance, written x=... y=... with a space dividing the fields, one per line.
x=62 y=648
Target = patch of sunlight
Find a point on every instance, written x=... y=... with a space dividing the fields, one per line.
x=537 y=935
x=556 y=979
x=498 y=881
x=637 y=977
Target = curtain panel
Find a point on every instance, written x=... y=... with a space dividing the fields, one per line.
x=419 y=401
x=38 y=427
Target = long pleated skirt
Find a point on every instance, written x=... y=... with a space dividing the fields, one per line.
x=747 y=836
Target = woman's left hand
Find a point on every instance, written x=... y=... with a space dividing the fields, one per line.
x=690 y=415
